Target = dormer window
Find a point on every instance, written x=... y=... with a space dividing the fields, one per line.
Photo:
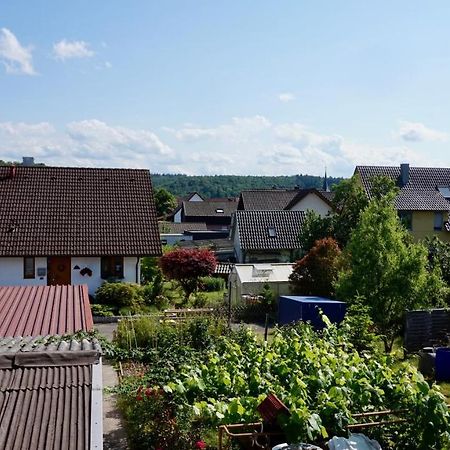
x=445 y=191
x=272 y=232
x=219 y=211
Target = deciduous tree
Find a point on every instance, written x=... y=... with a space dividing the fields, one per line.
x=165 y=202
x=187 y=266
x=316 y=272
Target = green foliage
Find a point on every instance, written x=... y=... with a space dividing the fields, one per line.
x=316 y=272
x=232 y=185
x=102 y=310
x=120 y=294
x=349 y=201
x=313 y=229
x=439 y=256
x=212 y=284
x=165 y=202
x=153 y=292
x=322 y=379
x=149 y=269
x=268 y=297
x=360 y=327
x=387 y=270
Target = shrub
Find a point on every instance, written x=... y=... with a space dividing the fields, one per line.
x=212 y=284
x=102 y=310
x=199 y=300
x=268 y=298
x=120 y=294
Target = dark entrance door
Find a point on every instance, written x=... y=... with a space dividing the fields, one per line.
x=58 y=270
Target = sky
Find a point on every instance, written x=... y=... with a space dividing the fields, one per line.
x=238 y=87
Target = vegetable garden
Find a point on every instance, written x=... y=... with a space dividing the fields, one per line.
x=188 y=379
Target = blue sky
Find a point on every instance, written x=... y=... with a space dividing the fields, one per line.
x=236 y=87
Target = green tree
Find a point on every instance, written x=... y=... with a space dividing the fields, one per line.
x=386 y=269
x=313 y=229
x=165 y=202
x=349 y=201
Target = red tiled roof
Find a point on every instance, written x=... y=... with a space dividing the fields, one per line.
x=44 y=310
x=51 y=211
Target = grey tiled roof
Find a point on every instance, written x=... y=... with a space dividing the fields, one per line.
x=180 y=228
x=266 y=199
x=420 y=193
x=253 y=228
x=74 y=211
x=209 y=208
x=276 y=199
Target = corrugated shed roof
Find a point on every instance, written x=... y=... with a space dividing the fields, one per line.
x=260 y=273
x=44 y=310
x=253 y=228
x=420 y=193
x=51 y=211
x=209 y=208
x=45 y=402
x=45 y=408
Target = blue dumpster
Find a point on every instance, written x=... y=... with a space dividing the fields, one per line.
x=443 y=364
x=306 y=308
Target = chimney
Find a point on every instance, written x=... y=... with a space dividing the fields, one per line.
x=404 y=174
x=27 y=161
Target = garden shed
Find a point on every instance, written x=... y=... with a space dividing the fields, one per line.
x=307 y=308
x=249 y=279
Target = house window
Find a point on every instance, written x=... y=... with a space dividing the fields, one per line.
x=406 y=219
x=219 y=211
x=438 y=220
x=28 y=267
x=272 y=232
x=112 y=267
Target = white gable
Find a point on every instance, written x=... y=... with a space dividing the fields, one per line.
x=314 y=203
x=195 y=198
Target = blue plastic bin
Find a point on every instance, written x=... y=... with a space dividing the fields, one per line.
x=443 y=364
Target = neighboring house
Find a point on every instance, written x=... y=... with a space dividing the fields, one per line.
x=191 y=197
x=222 y=248
x=63 y=226
x=44 y=310
x=215 y=214
x=249 y=279
x=50 y=394
x=316 y=200
x=424 y=199
x=266 y=236
x=171 y=233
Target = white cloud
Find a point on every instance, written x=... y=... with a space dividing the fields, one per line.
x=71 y=49
x=418 y=132
x=245 y=145
x=15 y=57
x=286 y=97
x=85 y=143
x=240 y=128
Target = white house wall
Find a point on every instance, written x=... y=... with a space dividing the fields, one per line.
x=177 y=216
x=11 y=272
x=313 y=203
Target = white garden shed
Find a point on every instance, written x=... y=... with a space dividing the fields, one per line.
x=249 y=279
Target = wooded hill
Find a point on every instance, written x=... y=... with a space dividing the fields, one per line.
x=232 y=185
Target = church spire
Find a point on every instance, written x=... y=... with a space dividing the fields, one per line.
x=325 y=186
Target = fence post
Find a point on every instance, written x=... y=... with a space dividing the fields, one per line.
x=266 y=327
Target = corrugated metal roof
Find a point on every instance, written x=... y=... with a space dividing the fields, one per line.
x=45 y=393
x=45 y=408
x=44 y=310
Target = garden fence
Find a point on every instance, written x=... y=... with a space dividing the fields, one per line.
x=425 y=328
